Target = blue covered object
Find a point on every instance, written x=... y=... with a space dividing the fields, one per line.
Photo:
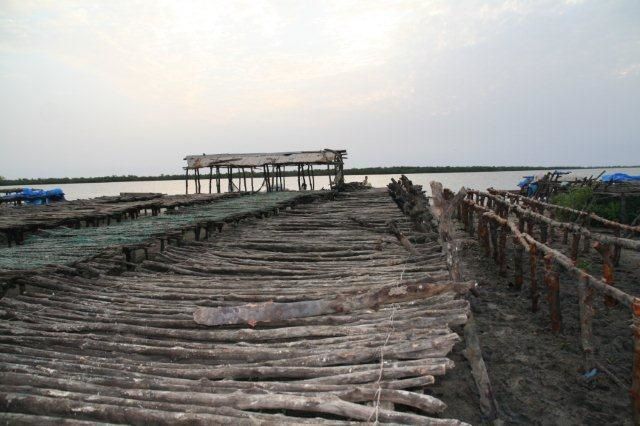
x=526 y=181
x=619 y=177
x=35 y=196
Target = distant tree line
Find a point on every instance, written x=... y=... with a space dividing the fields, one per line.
x=318 y=171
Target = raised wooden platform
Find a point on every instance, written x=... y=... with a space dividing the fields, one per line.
x=126 y=349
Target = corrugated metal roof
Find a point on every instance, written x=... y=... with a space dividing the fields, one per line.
x=326 y=156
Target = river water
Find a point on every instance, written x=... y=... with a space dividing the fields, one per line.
x=476 y=180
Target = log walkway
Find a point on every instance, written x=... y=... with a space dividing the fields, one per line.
x=132 y=348
x=16 y=222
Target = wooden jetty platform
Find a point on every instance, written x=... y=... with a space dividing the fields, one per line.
x=334 y=311
x=16 y=222
x=270 y=166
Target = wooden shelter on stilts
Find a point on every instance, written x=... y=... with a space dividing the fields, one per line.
x=240 y=169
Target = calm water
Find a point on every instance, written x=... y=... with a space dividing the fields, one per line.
x=479 y=180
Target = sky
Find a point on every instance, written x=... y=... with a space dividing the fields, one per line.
x=131 y=87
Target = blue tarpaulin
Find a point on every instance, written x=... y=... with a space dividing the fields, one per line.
x=620 y=177
x=35 y=196
x=526 y=181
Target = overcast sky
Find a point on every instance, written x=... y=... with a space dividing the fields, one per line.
x=131 y=87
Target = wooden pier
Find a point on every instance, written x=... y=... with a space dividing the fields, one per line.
x=330 y=311
x=17 y=222
x=270 y=166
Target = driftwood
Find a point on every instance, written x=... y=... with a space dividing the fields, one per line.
x=266 y=312
x=473 y=353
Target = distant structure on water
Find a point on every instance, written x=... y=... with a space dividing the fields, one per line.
x=270 y=166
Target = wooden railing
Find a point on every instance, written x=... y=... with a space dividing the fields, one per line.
x=496 y=218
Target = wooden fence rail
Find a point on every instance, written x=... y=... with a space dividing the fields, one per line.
x=492 y=218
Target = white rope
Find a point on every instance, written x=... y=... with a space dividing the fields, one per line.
x=376 y=402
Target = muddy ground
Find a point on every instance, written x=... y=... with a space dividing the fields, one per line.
x=536 y=375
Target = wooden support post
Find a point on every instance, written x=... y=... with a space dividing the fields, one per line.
x=244 y=178
x=210 y=177
x=575 y=247
x=464 y=215
x=329 y=175
x=493 y=233
x=252 y=190
x=265 y=175
x=533 y=287
x=298 y=174
x=186 y=182
x=313 y=177
x=482 y=231
x=586 y=243
x=305 y=185
x=518 y=252
x=230 y=179
x=607 y=269
x=565 y=237
x=585 y=300
x=635 y=377
x=218 y=178
x=617 y=250
x=502 y=256
x=339 y=180
x=543 y=232
x=530 y=227
x=552 y=280
x=470 y=221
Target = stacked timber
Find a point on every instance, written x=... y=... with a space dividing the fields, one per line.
x=16 y=222
x=316 y=315
x=411 y=200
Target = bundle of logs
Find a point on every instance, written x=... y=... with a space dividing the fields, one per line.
x=496 y=218
x=16 y=223
x=412 y=201
x=320 y=314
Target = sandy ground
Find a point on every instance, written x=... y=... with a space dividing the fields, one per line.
x=536 y=375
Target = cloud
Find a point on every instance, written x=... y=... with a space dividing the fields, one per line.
x=317 y=71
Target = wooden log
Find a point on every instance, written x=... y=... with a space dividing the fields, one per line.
x=59 y=406
x=585 y=301
x=575 y=247
x=607 y=268
x=473 y=354
x=518 y=254
x=573 y=227
x=493 y=234
x=502 y=248
x=596 y=283
x=268 y=312
x=533 y=277
x=552 y=280
x=393 y=228
x=635 y=376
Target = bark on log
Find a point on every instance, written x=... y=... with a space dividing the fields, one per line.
x=269 y=312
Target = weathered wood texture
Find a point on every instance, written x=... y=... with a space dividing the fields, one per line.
x=16 y=221
x=125 y=348
x=503 y=211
